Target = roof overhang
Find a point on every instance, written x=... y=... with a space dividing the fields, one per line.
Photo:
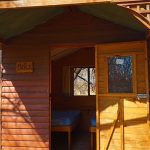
x=14 y=22
x=118 y=15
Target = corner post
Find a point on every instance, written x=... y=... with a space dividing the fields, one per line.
x=147 y=57
x=0 y=95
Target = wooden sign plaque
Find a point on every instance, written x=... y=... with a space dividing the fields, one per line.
x=24 y=67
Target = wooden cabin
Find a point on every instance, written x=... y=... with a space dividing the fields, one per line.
x=40 y=49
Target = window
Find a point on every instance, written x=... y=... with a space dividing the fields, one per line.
x=84 y=81
x=120 y=74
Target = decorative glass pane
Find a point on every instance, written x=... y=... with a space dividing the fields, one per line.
x=120 y=74
x=80 y=81
x=92 y=81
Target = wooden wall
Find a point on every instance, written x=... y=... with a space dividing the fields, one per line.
x=134 y=111
x=25 y=99
x=83 y=57
x=148 y=55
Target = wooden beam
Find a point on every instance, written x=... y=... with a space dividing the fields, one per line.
x=121 y=108
x=139 y=18
x=134 y=3
x=0 y=93
x=97 y=101
x=50 y=95
x=130 y=1
x=111 y=131
x=147 y=62
x=31 y=3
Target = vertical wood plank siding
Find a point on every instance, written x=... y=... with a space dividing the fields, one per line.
x=148 y=56
x=25 y=100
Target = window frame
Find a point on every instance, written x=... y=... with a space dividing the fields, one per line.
x=72 y=79
x=133 y=74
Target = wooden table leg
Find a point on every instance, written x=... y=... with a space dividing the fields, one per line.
x=69 y=140
x=92 y=140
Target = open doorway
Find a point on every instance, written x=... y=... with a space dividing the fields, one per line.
x=73 y=91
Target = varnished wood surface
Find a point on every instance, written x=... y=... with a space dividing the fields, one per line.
x=31 y=3
x=134 y=111
x=92 y=131
x=1 y=92
x=25 y=102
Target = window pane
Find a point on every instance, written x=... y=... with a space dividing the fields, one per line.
x=120 y=75
x=80 y=81
x=92 y=82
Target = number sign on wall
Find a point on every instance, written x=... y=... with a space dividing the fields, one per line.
x=24 y=67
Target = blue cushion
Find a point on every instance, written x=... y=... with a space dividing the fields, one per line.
x=93 y=121
x=64 y=118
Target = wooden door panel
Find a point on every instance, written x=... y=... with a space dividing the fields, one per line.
x=131 y=129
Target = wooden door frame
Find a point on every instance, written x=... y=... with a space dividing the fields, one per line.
x=49 y=64
x=97 y=103
x=65 y=46
x=147 y=54
x=1 y=96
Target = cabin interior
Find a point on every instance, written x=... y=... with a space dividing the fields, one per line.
x=64 y=96
x=127 y=98
x=76 y=43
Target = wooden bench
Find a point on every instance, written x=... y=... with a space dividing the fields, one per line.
x=92 y=132
x=68 y=128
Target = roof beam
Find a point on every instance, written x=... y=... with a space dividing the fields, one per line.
x=131 y=1
x=32 y=3
x=5 y=4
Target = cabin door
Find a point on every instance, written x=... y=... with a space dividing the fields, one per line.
x=122 y=96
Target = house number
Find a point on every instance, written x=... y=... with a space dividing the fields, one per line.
x=24 y=67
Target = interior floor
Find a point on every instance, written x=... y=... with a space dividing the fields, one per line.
x=80 y=141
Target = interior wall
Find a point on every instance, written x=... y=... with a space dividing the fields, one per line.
x=86 y=104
